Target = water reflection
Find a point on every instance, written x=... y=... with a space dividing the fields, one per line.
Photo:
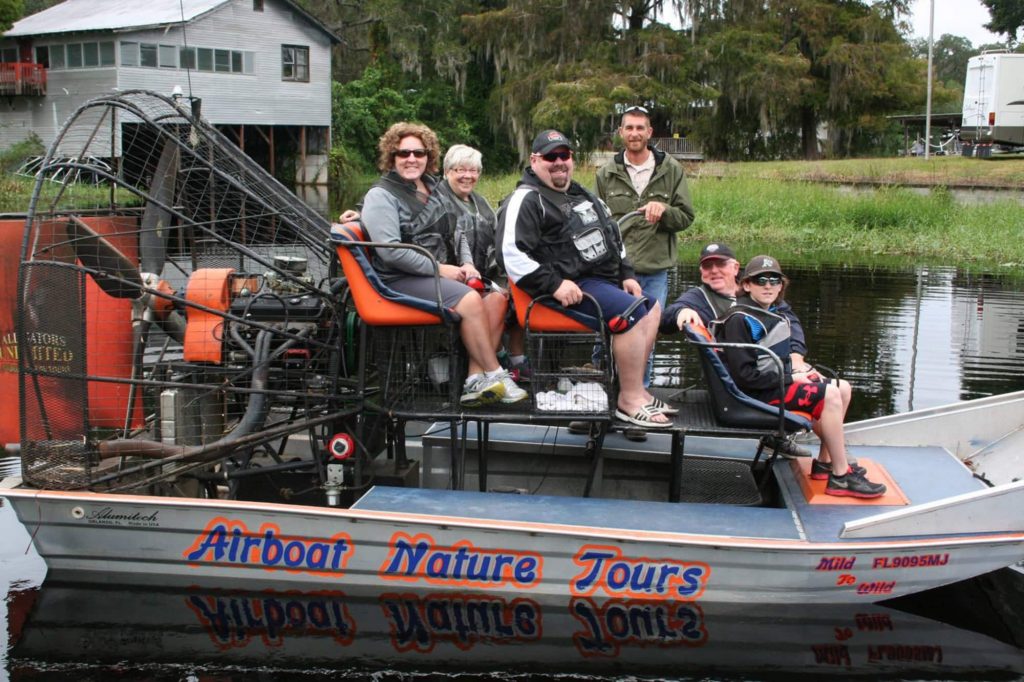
x=213 y=627
x=905 y=338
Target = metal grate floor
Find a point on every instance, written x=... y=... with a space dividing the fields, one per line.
x=718 y=481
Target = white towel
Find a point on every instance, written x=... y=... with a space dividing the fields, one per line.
x=586 y=396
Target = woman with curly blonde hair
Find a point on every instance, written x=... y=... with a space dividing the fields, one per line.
x=405 y=206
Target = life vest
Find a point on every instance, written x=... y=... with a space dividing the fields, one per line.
x=432 y=225
x=768 y=330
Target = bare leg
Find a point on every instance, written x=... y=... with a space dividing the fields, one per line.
x=846 y=394
x=496 y=304
x=631 y=350
x=516 y=339
x=475 y=332
x=829 y=428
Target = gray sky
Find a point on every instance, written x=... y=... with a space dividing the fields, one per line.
x=956 y=17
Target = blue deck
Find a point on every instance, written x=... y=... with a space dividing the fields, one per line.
x=924 y=474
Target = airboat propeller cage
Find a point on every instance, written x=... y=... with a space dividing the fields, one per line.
x=134 y=199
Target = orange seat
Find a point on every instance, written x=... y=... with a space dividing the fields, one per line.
x=378 y=304
x=542 y=318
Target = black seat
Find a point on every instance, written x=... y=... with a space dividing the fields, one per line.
x=733 y=407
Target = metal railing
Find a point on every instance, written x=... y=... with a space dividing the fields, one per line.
x=22 y=78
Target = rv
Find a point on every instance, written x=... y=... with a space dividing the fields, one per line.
x=993 y=110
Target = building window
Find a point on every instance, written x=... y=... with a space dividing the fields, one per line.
x=168 y=57
x=129 y=53
x=90 y=55
x=9 y=55
x=75 y=56
x=257 y=5
x=187 y=57
x=57 y=57
x=43 y=55
x=107 y=53
x=294 y=63
x=148 y=55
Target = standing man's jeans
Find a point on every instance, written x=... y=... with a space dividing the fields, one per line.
x=655 y=286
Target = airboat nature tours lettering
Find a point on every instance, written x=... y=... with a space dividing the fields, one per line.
x=233 y=621
x=606 y=569
x=49 y=352
x=419 y=623
x=419 y=557
x=617 y=623
x=229 y=541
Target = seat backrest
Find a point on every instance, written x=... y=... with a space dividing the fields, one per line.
x=543 y=318
x=731 y=405
x=377 y=304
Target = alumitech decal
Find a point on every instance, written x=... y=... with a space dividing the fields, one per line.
x=605 y=569
x=419 y=557
x=230 y=542
x=106 y=516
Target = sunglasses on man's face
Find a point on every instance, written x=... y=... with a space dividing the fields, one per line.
x=406 y=153
x=767 y=280
x=551 y=157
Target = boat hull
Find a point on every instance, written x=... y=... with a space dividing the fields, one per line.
x=173 y=541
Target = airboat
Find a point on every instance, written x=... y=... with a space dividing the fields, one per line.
x=214 y=386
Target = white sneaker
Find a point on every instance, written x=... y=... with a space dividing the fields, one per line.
x=482 y=391
x=513 y=394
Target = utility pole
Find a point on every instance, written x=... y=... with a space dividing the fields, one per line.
x=928 y=105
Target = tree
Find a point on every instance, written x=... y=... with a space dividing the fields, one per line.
x=1007 y=17
x=949 y=58
x=10 y=12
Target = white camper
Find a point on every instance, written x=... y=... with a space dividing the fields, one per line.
x=993 y=100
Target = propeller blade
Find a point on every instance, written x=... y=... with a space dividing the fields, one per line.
x=156 y=220
x=98 y=254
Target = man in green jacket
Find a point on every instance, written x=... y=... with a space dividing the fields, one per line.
x=642 y=178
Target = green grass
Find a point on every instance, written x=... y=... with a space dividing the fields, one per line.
x=950 y=171
x=766 y=208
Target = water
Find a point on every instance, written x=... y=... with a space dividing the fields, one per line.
x=906 y=339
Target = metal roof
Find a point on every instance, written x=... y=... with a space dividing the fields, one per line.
x=72 y=16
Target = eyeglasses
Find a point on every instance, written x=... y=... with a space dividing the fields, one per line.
x=406 y=153
x=637 y=108
x=713 y=263
x=551 y=157
x=466 y=171
x=767 y=280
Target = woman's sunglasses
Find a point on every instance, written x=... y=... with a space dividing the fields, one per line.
x=551 y=157
x=766 y=280
x=406 y=153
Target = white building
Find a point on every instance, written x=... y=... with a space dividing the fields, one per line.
x=262 y=69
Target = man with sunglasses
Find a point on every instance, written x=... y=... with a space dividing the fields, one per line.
x=642 y=178
x=557 y=238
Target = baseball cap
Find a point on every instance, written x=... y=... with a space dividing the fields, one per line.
x=549 y=140
x=761 y=264
x=715 y=250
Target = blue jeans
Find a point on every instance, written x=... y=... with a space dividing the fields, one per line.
x=655 y=286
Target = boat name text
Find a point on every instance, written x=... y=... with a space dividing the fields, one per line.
x=234 y=622
x=604 y=568
x=230 y=541
x=617 y=624
x=836 y=563
x=420 y=623
x=418 y=557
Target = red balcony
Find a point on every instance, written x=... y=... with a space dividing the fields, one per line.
x=22 y=78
